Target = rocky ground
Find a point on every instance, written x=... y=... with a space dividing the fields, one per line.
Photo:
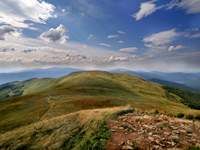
x=152 y=132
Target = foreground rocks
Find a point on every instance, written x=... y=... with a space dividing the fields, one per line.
x=153 y=132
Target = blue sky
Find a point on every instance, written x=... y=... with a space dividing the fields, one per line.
x=161 y=35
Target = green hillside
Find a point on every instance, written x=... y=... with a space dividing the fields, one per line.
x=40 y=99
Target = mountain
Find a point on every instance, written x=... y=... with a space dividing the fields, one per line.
x=36 y=73
x=168 y=83
x=37 y=99
x=179 y=79
x=71 y=112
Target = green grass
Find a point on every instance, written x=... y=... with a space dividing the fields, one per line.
x=189 y=98
x=194 y=148
x=47 y=98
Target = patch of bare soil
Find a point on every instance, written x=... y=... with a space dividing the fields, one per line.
x=152 y=132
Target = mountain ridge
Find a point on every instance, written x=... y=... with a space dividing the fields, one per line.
x=44 y=99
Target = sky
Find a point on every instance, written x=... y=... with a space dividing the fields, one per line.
x=145 y=35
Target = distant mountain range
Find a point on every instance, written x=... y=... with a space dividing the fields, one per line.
x=36 y=73
x=178 y=79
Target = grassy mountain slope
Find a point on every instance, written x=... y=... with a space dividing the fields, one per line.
x=47 y=98
x=189 y=98
x=27 y=87
x=80 y=130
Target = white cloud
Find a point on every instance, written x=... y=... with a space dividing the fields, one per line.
x=129 y=49
x=121 y=32
x=120 y=41
x=29 y=52
x=162 y=41
x=191 y=35
x=161 y=38
x=105 y=44
x=6 y=30
x=63 y=10
x=191 y=6
x=166 y=40
x=17 y=12
x=113 y=36
x=55 y=34
x=175 y=47
x=146 y=9
x=116 y=58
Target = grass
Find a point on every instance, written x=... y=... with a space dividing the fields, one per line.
x=84 y=140
x=189 y=98
x=84 y=129
x=194 y=148
x=48 y=98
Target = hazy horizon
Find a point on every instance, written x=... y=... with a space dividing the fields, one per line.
x=20 y=70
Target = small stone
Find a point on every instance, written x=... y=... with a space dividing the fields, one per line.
x=174 y=128
x=167 y=133
x=151 y=139
x=127 y=147
x=129 y=142
x=182 y=131
x=121 y=128
x=122 y=143
x=150 y=133
x=173 y=143
x=175 y=138
x=113 y=130
x=189 y=130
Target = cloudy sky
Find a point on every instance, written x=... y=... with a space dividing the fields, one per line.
x=148 y=35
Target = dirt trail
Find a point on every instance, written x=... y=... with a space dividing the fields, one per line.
x=152 y=132
x=50 y=107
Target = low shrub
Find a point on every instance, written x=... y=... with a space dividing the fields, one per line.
x=123 y=112
x=190 y=117
x=180 y=115
x=193 y=148
x=197 y=117
x=156 y=112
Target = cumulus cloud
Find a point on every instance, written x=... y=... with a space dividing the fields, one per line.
x=55 y=34
x=29 y=52
x=116 y=58
x=161 y=38
x=146 y=9
x=129 y=49
x=164 y=40
x=6 y=30
x=167 y=37
x=18 y=13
